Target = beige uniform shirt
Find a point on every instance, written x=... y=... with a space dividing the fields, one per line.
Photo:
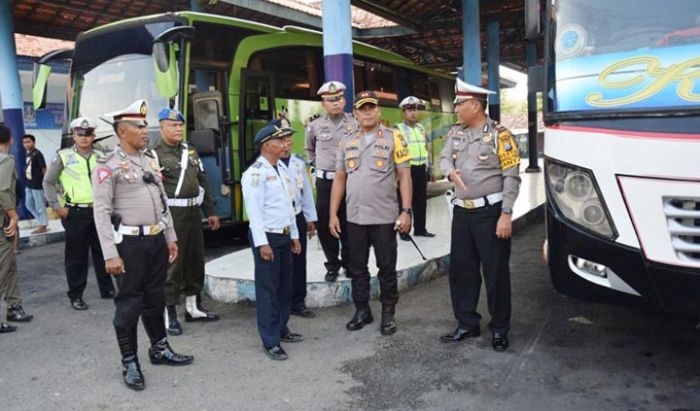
x=8 y=179
x=118 y=188
x=322 y=140
x=370 y=162
x=487 y=158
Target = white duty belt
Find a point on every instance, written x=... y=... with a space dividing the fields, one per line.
x=326 y=175
x=187 y=202
x=478 y=202
x=141 y=230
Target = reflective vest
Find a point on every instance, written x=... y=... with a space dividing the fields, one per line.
x=417 y=143
x=75 y=177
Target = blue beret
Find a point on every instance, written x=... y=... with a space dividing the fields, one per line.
x=276 y=129
x=170 y=114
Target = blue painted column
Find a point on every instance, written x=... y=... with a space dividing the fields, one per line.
x=532 y=148
x=471 y=46
x=11 y=93
x=200 y=76
x=337 y=46
x=494 y=62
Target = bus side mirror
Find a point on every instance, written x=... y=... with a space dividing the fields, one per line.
x=164 y=60
x=41 y=72
x=533 y=19
x=39 y=82
x=165 y=67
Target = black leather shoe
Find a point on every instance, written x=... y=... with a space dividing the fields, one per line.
x=331 y=276
x=303 y=312
x=131 y=370
x=499 y=342
x=292 y=337
x=460 y=334
x=276 y=353
x=388 y=326
x=17 y=314
x=109 y=295
x=78 y=304
x=174 y=327
x=404 y=237
x=424 y=233
x=362 y=317
x=161 y=353
x=7 y=328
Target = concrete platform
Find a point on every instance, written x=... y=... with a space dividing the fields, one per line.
x=229 y=278
x=27 y=239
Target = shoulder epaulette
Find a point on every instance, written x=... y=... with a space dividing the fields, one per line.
x=149 y=153
x=256 y=164
x=314 y=117
x=499 y=126
x=105 y=156
x=299 y=156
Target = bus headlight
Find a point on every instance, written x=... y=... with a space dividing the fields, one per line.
x=574 y=193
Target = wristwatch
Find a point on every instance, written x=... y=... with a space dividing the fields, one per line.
x=407 y=210
x=507 y=210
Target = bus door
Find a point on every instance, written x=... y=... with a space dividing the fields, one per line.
x=256 y=111
x=211 y=137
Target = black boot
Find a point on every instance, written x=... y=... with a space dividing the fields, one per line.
x=362 y=317
x=174 y=327
x=388 y=326
x=131 y=369
x=161 y=353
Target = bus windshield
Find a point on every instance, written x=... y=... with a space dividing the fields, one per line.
x=621 y=55
x=117 y=83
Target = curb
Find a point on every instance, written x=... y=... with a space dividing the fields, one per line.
x=325 y=294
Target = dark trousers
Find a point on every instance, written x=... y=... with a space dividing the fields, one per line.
x=474 y=247
x=273 y=288
x=330 y=245
x=186 y=274
x=299 y=267
x=383 y=238
x=140 y=291
x=81 y=237
x=419 y=177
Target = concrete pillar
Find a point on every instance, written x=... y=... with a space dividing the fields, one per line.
x=10 y=89
x=532 y=148
x=471 y=46
x=494 y=62
x=337 y=46
x=200 y=76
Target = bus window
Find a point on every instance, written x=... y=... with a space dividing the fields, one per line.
x=381 y=78
x=294 y=71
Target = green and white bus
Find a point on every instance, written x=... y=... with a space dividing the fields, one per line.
x=254 y=73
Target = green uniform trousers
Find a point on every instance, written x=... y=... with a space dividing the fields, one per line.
x=186 y=274
x=8 y=273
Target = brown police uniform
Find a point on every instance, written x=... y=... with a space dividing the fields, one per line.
x=488 y=160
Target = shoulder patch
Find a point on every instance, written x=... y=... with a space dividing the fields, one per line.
x=399 y=135
x=102 y=174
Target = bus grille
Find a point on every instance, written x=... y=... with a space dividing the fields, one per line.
x=683 y=216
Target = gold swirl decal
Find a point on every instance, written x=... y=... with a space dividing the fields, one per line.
x=684 y=73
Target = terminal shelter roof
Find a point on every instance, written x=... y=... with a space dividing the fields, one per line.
x=427 y=31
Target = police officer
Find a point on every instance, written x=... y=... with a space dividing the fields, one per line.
x=9 y=220
x=370 y=161
x=187 y=187
x=138 y=240
x=71 y=168
x=481 y=159
x=322 y=138
x=273 y=233
x=305 y=219
x=419 y=150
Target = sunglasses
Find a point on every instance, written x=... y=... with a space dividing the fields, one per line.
x=332 y=99
x=135 y=123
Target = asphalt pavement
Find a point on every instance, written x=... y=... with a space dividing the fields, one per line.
x=565 y=354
